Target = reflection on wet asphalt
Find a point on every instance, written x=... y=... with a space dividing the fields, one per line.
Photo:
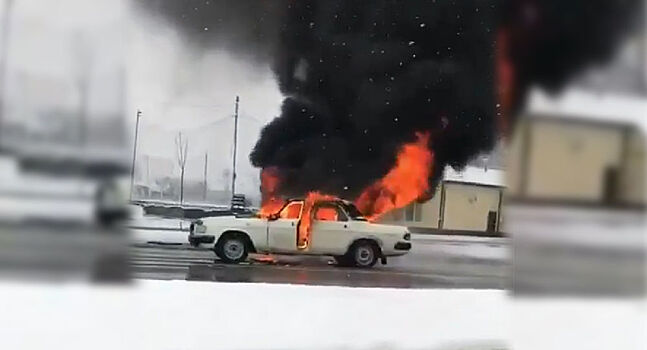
x=419 y=269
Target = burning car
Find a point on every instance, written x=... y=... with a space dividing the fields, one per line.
x=328 y=226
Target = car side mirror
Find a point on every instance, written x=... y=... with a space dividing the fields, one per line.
x=273 y=217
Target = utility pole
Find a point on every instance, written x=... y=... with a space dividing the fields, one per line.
x=132 y=169
x=182 y=147
x=4 y=56
x=206 y=160
x=233 y=174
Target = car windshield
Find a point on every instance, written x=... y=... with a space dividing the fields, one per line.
x=352 y=211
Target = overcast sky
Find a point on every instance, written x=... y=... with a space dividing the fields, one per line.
x=181 y=89
x=46 y=40
x=139 y=62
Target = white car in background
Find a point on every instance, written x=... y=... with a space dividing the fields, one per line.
x=345 y=235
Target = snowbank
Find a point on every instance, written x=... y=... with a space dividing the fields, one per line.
x=207 y=315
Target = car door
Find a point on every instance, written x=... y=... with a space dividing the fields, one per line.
x=330 y=230
x=282 y=231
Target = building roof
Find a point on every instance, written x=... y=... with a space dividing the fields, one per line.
x=476 y=175
x=590 y=106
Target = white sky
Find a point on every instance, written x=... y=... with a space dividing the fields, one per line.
x=43 y=37
x=177 y=88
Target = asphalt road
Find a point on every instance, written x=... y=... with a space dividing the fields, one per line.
x=434 y=262
x=67 y=252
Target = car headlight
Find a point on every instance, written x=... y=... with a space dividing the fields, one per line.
x=407 y=236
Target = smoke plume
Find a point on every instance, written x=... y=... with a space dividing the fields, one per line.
x=361 y=78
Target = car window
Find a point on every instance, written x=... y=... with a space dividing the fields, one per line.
x=352 y=211
x=291 y=211
x=329 y=213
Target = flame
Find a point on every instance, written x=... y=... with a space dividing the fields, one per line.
x=271 y=202
x=407 y=181
x=326 y=214
x=266 y=259
x=304 y=228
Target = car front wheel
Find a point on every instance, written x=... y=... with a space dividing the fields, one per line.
x=343 y=260
x=232 y=249
x=364 y=254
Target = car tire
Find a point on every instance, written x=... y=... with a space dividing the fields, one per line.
x=232 y=249
x=364 y=253
x=343 y=260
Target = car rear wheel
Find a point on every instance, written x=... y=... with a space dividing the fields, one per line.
x=232 y=249
x=364 y=254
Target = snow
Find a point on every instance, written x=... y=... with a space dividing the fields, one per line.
x=585 y=227
x=571 y=323
x=16 y=183
x=167 y=236
x=139 y=219
x=18 y=209
x=201 y=315
x=579 y=104
x=472 y=174
x=460 y=239
x=430 y=247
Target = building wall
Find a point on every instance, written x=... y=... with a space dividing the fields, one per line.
x=570 y=160
x=632 y=177
x=417 y=214
x=514 y=153
x=573 y=160
x=466 y=206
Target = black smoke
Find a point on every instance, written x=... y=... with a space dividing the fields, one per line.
x=361 y=77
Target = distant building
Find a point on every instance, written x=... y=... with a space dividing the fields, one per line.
x=580 y=149
x=469 y=200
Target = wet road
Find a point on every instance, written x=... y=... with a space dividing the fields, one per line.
x=68 y=253
x=434 y=262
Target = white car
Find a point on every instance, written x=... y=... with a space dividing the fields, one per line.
x=337 y=230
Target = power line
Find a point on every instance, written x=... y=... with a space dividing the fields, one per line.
x=190 y=105
x=249 y=118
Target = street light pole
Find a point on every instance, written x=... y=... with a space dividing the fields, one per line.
x=233 y=175
x=132 y=169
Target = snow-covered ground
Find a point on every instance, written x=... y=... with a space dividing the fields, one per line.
x=138 y=219
x=204 y=315
x=143 y=236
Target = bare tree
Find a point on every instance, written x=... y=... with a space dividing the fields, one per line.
x=182 y=144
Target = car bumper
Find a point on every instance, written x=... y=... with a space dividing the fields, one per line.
x=196 y=240
x=402 y=246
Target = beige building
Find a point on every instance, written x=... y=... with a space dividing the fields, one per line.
x=466 y=201
x=581 y=150
x=586 y=154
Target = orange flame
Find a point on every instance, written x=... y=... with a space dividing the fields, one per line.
x=326 y=214
x=271 y=202
x=304 y=230
x=407 y=181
